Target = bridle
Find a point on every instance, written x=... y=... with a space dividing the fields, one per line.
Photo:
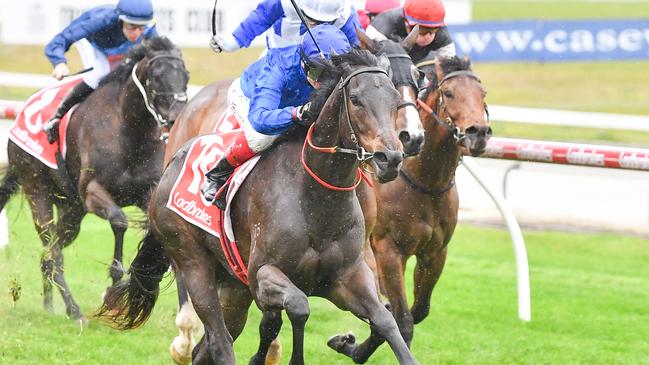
x=177 y=96
x=454 y=130
x=359 y=152
x=402 y=103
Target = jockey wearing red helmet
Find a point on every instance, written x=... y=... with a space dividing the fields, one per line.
x=434 y=40
x=374 y=8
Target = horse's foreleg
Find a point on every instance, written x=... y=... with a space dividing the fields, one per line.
x=100 y=202
x=181 y=347
x=198 y=272
x=391 y=266
x=427 y=272
x=269 y=327
x=275 y=292
x=357 y=294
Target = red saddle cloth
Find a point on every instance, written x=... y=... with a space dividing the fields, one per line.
x=187 y=201
x=27 y=130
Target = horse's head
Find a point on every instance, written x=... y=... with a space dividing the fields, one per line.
x=457 y=97
x=165 y=79
x=404 y=76
x=362 y=102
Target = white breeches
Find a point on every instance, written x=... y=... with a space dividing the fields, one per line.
x=239 y=103
x=92 y=57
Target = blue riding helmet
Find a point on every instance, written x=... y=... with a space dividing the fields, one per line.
x=138 y=12
x=330 y=39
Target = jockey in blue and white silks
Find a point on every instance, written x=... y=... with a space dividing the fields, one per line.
x=283 y=26
x=271 y=97
x=102 y=35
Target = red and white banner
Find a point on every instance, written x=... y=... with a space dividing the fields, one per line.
x=27 y=130
x=568 y=153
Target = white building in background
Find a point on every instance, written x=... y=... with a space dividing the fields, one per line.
x=187 y=22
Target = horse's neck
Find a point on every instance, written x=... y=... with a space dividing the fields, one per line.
x=134 y=112
x=436 y=163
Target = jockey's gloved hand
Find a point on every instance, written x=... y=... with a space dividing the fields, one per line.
x=60 y=71
x=224 y=42
x=302 y=114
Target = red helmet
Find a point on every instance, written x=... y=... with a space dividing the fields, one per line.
x=426 y=13
x=379 y=6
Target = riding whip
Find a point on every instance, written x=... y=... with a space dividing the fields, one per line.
x=306 y=25
x=80 y=72
x=214 y=19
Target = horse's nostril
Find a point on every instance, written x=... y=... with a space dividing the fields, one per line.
x=380 y=157
x=471 y=130
x=404 y=137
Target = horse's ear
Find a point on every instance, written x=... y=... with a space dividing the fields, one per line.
x=384 y=62
x=439 y=72
x=410 y=40
x=365 y=41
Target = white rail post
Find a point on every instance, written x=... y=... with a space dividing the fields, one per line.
x=520 y=252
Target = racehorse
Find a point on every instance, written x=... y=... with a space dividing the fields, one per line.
x=417 y=213
x=198 y=118
x=314 y=248
x=113 y=159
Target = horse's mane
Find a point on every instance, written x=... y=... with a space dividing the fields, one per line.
x=134 y=55
x=448 y=65
x=332 y=71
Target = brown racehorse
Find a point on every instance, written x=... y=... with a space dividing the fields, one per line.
x=417 y=213
x=114 y=158
x=201 y=114
x=314 y=247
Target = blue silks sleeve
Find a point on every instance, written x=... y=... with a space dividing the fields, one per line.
x=349 y=28
x=83 y=27
x=262 y=18
x=264 y=115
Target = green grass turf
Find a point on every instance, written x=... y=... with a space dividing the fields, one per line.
x=589 y=304
x=558 y=9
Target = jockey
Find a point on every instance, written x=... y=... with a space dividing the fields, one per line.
x=433 y=41
x=374 y=8
x=103 y=35
x=284 y=25
x=270 y=98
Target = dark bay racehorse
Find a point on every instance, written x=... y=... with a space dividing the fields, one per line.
x=314 y=247
x=114 y=158
x=200 y=117
x=417 y=213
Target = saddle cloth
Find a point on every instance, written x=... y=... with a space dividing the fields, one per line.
x=186 y=199
x=27 y=130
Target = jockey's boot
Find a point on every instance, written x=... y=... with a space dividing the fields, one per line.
x=238 y=153
x=214 y=181
x=78 y=94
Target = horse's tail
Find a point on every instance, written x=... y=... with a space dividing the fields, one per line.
x=128 y=304
x=9 y=186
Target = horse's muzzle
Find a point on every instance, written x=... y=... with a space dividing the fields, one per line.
x=476 y=139
x=387 y=164
x=411 y=144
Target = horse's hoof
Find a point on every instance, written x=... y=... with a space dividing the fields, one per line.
x=342 y=343
x=419 y=314
x=177 y=357
x=274 y=354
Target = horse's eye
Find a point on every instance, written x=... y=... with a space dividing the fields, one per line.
x=448 y=94
x=355 y=100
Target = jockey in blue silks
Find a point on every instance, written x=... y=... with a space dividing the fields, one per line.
x=103 y=35
x=270 y=98
x=284 y=26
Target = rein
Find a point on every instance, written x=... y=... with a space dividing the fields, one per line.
x=182 y=97
x=361 y=155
